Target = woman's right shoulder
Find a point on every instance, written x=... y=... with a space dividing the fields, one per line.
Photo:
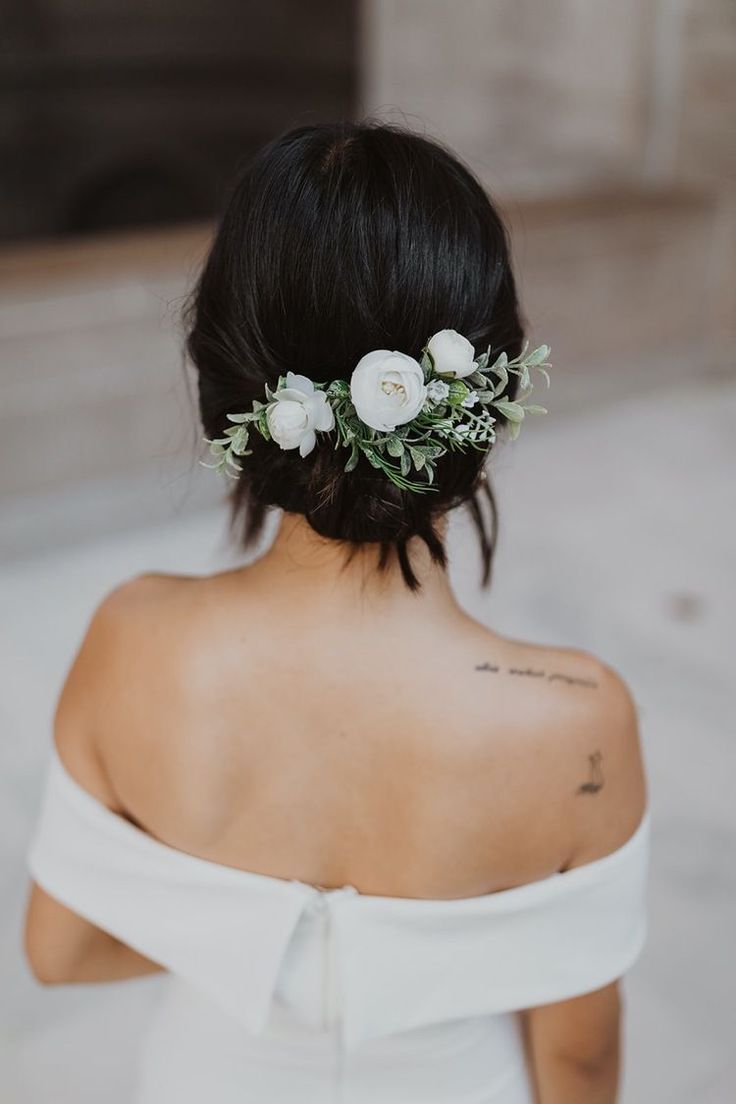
x=609 y=796
x=583 y=720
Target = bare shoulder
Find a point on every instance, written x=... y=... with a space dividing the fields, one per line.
x=600 y=734
x=137 y=592
x=135 y=605
x=129 y=626
x=577 y=719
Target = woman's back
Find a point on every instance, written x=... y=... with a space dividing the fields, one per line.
x=334 y=729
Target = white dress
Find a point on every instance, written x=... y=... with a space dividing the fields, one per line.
x=278 y=991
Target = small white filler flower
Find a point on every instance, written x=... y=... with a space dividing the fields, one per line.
x=437 y=390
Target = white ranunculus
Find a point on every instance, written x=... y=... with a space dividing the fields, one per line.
x=452 y=354
x=297 y=411
x=387 y=389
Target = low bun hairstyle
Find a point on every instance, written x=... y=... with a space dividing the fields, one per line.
x=339 y=239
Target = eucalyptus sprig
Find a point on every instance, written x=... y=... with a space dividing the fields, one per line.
x=234 y=441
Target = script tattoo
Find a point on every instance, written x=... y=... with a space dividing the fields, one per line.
x=539 y=673
x=571 y=680
x=595 y=782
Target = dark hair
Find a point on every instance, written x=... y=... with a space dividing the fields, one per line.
x=339 y=239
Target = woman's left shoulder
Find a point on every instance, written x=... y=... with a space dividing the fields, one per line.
x=134 y=593
x=121 y=629
x=124 y=664
x=138 y=602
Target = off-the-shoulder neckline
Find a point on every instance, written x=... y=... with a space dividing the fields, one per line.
x=125 y=828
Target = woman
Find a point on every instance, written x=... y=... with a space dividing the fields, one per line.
x=381 y=852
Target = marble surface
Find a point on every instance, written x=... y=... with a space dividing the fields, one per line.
x=618 y=535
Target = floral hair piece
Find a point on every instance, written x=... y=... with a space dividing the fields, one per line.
x=397 y=412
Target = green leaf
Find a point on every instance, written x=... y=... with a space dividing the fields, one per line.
x=458 y=392
x=511 y=410
x=514 y=428
x=262 y=425
x=405 y=463
x=539 y=356
x=395 y=446
x=502 y=381
x=240 y=441
x=352 y=461
x=418 y=457
x=236 y=418
x=533 y=409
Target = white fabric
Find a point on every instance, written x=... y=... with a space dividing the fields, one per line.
x=333 y=994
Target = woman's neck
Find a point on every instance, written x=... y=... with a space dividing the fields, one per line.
x=319 y=569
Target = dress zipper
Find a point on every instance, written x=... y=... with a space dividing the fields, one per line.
x=326 y=959
x=331 y=1002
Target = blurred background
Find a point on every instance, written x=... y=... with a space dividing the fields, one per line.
x=607 y=132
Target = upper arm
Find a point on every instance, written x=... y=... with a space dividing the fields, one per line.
x=584 y=1031
x=54 y=937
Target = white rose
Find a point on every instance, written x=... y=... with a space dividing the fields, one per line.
x=387 y=389
x=298 y=410
x=452 y=354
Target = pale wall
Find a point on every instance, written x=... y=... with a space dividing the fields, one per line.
x=562 y=95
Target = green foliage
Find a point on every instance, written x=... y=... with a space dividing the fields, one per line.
x=407 y=455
